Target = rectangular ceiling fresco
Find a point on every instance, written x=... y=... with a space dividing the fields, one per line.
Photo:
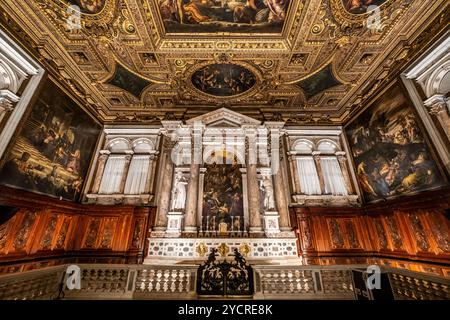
x=391 y=155
x=213 y=16
x=52 y=151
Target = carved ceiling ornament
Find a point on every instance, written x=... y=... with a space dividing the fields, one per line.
x=315 y=33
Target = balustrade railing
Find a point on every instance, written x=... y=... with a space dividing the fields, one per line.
x=179 y=282
x=42 y=284
x=281 y=282
x=407 y=285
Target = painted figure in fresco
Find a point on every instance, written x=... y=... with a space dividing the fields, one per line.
x=223 y=79
x=89 y=6
x=278 y=9
x=179 y=191
x=219 y=11
x=390 y=152
x=360 y=6
x=17 y=171
x=363 y=179
x=222 y=197
x=73 y=164
x=50 y=142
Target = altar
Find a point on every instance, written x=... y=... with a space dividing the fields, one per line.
x=222 y=188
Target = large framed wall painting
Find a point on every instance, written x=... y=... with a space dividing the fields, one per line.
x=53 y=148
x=391 y=154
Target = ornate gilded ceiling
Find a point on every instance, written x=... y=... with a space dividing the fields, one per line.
x=143 y=60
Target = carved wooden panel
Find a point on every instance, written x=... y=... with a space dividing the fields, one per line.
x=337 y=239
x=414 y=228
x=381 y=233
x=24 y=232
x=418 y=232
x=92 y=233
x=50 y=229
x=138 y=233
x=394 y=233
x=109 y=226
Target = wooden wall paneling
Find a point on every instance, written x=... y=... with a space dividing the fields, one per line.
x=439 y=228
x=25 y=232
x=45 y=230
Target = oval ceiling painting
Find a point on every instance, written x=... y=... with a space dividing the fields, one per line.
x=361 y=6
x=87 y=6
x=223 y=80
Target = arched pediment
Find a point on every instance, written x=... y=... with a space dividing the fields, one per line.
x=224 y=118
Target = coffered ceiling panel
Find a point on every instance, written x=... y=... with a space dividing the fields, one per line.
x=145 y=60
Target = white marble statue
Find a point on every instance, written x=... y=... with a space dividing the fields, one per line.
x=267 y=187
x=179 y=191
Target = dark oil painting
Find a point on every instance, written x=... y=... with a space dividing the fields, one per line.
x=361 y=6
x=88 y=6
x=391 y=155
x=212 y=16
x=223 y=80
x=128 y=81
x=52 y=151
x=223 y=207
x=321 y=81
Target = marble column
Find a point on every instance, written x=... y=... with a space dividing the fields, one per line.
x=150 y=173
x=344 y=169
x=253 y=199
x=126 y=167
x=190 y=222
x=316 y=155
x=280 y=197
x=255 y=223
x=166 y=186
x=104 y=154
x=294 y=173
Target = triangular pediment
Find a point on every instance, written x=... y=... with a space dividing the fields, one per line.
x=224 y=117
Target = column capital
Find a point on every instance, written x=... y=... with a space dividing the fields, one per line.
x=104 y=153
x=341 y=155
x=7 y=99
x=437 y=104
x=316 y=154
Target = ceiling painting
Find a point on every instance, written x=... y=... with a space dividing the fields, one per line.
x=87 y=6
x=261 y=57
x=223 y=80
x=216 y=16
x=361 y=6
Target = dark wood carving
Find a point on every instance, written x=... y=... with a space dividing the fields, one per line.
x=137 y=233
x=60 y=241
x=3 y=236
x=49 y=232
x=24 y=231
x=92 y=232
x=440 y=231
x=393 y=231
x=108 y=232
x=382 y=239
x=419 y=232
x=336 y=235
x=306 y=236
x=351 y=234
